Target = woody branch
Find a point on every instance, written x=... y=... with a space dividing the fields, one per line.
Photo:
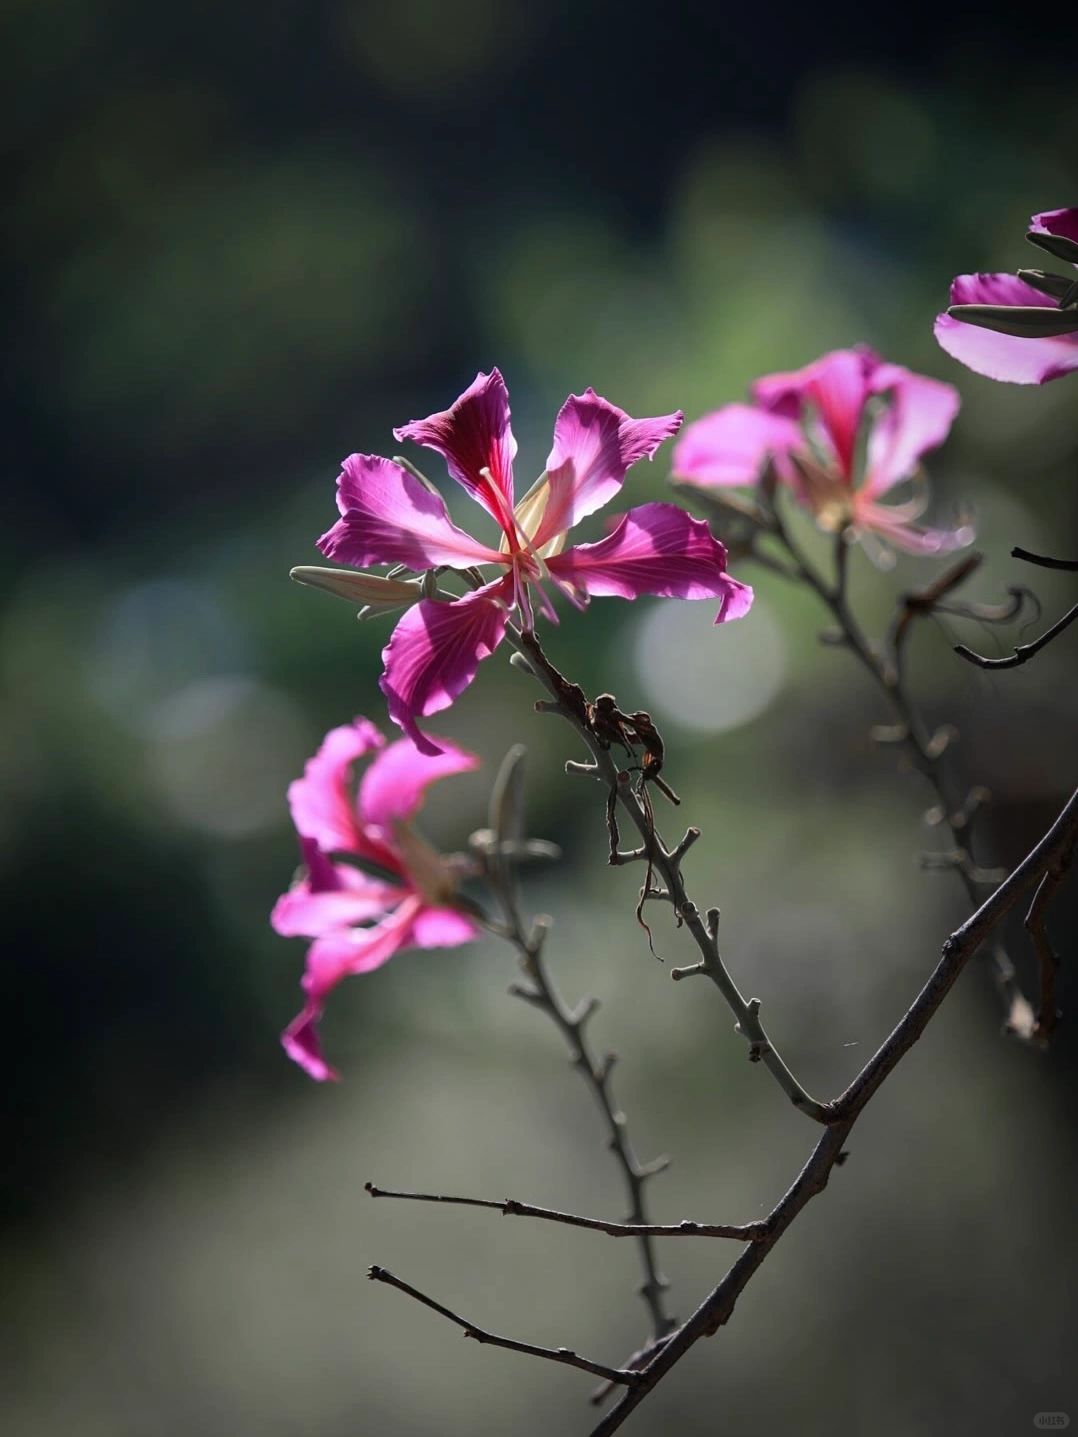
x=1050 y=856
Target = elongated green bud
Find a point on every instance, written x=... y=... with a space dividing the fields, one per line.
x=369 y=590
x=1058 y=245
x=507 y=797
x=1024 y=321
x=1056 y=285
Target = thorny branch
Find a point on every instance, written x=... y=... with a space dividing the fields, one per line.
x=510 y=1207
x=1049 y=856
x=564 y=1355
x=1042 y=870
x=838 y=1116
x=540 y=992
x=570 y=702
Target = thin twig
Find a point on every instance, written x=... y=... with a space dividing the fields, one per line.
x=668 y=866
x=565 y=1355
x=717 y=1307
x=540 y=992
x=510 y=1207
x=1045 y=561
x=925 y=749
x=1024 y=652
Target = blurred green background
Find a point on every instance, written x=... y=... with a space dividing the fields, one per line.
x=246 y=240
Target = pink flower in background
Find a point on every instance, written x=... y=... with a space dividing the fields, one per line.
x=840 y=433
x=390 y=517
x=1019 y=328
x=370 y=885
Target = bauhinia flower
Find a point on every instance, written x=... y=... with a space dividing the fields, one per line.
x=1020 y=328
x=840 y=433
x=370 y=884
x=388 y=516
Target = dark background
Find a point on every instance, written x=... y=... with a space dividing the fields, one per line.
x=245 y=240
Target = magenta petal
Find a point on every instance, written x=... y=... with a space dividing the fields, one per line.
x=300 y=1041
x=918 y=418
x=595 y=444
x=655 y=549
x=321 y=804
x=733 y=445
x=389 y=517
x=442 y=928
x=396 y=782
x=434 y=652
x=308 y=911
x=346 y=952
x=473 y=435
x=1053 y=222
x=836 y=386
x=736 y=600
x=1013 y=359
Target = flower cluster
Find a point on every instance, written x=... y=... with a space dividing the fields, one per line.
x=370 y=885
x=840 y=434
x=388 y=516
x=1019 y=328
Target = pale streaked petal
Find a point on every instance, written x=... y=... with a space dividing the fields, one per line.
x=311 y=908
x=595 y=444
x=350 y=951
x=330 y=959
x=734 y=444
x=395 y=784
x=321 y=801
x=389 y=517
x=655 y=549
x=301 y=1042
x=836 y=386
x=442 y=928
x=1012 y=359
x=473 y=435
x=1054 y=222
x=736 y=600
x=918 y=418
x=434 y=652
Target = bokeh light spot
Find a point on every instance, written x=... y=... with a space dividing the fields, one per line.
x=705 y=677
x=221 y=754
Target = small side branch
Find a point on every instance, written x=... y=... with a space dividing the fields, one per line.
x=1024 y=652
x=1045 y=561
x=1047 y=958
x=510 y=1207
x=1051 y=854
x=564 y=1355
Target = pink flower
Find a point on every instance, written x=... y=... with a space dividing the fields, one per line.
x=370 y=884
x=1023 y=328
x=389 y=517
x=840 y=433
